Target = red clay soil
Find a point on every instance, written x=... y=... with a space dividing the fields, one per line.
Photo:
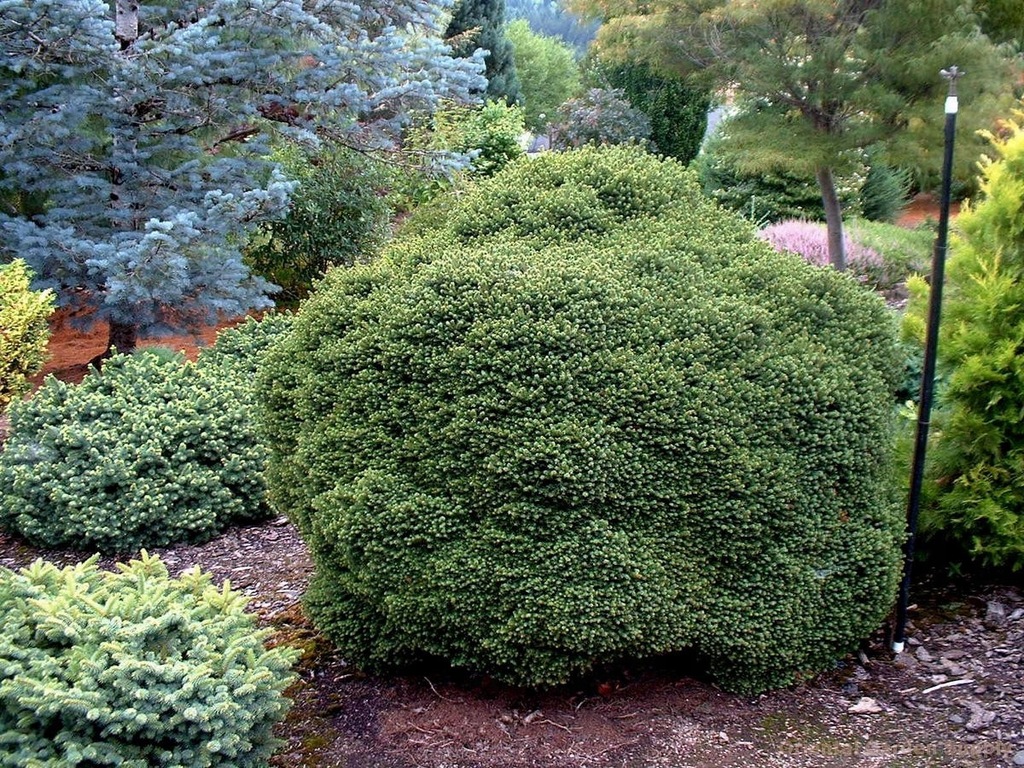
x=72 y=347
x=923 y=208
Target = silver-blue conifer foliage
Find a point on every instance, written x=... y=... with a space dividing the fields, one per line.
x=145 y=152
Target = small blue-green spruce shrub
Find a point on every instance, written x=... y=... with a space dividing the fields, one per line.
x=147 y=452
x=134 y=669
x=589 y=418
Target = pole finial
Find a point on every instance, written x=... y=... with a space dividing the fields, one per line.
x=952 y=74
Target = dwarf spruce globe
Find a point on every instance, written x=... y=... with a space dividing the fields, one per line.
x=590 y=417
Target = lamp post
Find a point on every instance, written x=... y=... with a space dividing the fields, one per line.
x=928 y=374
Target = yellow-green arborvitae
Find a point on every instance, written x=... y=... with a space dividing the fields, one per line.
x=23 y=330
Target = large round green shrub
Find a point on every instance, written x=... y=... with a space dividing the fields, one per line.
x=590 y=418
x=133 y=669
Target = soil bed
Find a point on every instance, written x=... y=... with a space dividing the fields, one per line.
x=956 y=697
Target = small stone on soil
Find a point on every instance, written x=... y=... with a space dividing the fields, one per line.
x=980 y=717
x=995 y=614
x=866 y=706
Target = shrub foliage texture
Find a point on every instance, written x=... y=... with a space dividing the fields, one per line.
x=23 y=330
x=149 y=452
x=979 y=443
x=590 y=417
x=133 y=669
x=337 y=216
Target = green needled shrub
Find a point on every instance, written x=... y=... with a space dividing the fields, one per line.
x=23 y=330
x=590 y=418
x=133 y=669
x=338 y=215
x=147 y=452
x=238 y=352
x=978 y=453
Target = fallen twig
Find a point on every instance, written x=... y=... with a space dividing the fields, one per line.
x=436 y=693
x=557 y=725
x=950 y=684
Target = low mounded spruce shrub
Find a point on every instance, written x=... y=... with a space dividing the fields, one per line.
x=148 y=452
x=133 y=669
x=592 y=417
x=238 y=352
x=23 y=330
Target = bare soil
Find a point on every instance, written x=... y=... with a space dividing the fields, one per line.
x=954 y=698
x=923 y=208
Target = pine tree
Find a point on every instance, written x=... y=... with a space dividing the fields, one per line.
x=817 y=81
x=143 y=128
x=480 y=25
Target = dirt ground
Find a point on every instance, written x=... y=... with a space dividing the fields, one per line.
x=954 y=698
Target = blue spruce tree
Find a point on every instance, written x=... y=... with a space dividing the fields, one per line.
x=139 y=132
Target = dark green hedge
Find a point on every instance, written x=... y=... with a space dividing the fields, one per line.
x=590 y=418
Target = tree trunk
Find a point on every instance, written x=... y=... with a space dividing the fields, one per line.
x=123 y=337
x=126 y=22
x=833 y=218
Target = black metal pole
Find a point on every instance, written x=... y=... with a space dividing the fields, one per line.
x=924 y=412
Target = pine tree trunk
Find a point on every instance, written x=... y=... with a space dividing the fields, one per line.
x=833 y=218
x=122 y=336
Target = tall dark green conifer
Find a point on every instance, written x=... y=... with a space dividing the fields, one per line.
x=678 y=112
x=481 y=24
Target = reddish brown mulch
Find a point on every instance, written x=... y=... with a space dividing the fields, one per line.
x=72 y=346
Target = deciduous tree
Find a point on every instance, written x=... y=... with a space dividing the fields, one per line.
x=548 y=72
